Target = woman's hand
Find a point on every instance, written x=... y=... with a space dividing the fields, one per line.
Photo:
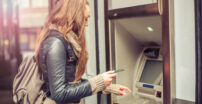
x=122 y=91
x=108 y=77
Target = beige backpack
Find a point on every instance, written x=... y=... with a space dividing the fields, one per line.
x=28 y=82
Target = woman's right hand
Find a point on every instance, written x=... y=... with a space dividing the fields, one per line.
x=122 y=90
x=108 y=77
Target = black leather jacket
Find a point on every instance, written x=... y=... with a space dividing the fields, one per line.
x=58 y=62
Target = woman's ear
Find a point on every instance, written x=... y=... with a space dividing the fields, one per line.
x=86 y=14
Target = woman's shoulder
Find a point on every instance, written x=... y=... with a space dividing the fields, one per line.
x=52 y=43
x=55 y=38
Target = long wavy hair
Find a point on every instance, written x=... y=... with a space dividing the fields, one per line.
x=66 y=16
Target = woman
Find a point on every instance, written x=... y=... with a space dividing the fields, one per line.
x=61 y=54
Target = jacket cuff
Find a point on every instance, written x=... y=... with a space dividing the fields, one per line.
x=113 y=88
x=97 y=84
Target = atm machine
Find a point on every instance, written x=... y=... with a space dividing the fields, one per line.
x=148 y=75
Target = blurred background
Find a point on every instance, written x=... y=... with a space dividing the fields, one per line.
x=20 y=22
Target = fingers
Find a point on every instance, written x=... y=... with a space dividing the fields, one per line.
x=121 y=93
x=125 y=88
x=128 y=89
x=110 y=72
x=122 y=89
x=112 y=75
x=109 y=80
x=108 y=77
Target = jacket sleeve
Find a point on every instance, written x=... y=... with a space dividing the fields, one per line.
x=60 y=90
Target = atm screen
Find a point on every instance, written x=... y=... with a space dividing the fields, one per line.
x=152 y=72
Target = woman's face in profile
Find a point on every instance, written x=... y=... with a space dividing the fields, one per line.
x=86 y=15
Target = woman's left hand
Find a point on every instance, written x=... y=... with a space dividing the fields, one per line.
x=122 y=90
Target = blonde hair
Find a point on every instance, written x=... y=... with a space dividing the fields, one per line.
x=68 y=15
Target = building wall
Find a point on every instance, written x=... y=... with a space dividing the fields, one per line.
x=184 y=24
